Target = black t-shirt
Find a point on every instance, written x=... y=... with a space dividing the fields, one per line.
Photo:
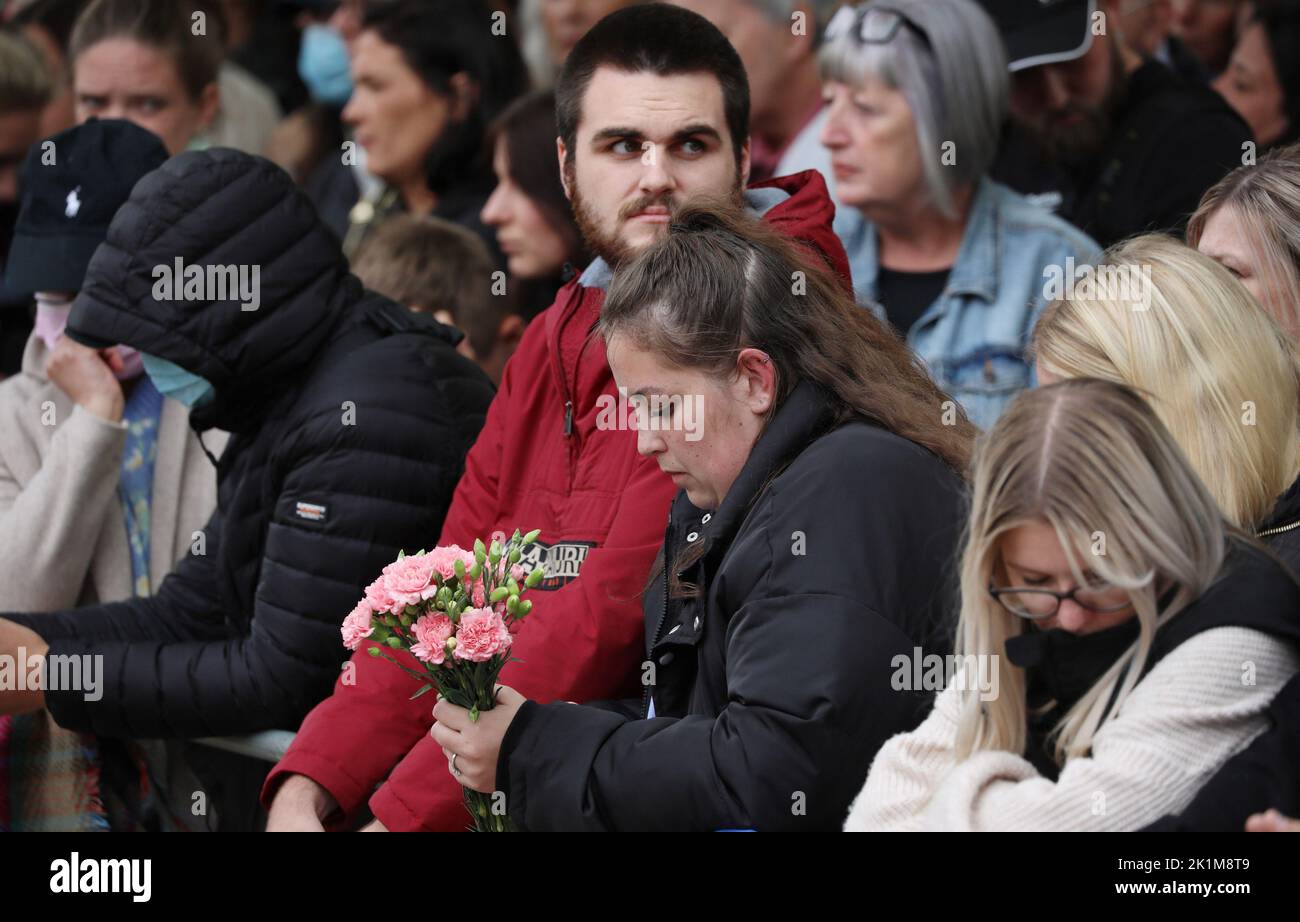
x=1170 y=142
x=905 y=296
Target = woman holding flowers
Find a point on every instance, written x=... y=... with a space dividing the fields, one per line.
x=818 y=513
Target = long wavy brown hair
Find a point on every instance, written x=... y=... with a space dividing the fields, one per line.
x=721 y=281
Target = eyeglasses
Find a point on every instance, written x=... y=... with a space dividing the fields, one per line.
x=871 y=24
x=1037 y=604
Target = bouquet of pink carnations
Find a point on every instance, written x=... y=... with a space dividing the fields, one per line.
x=456 y=611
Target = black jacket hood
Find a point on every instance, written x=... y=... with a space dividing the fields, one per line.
x=208 y=209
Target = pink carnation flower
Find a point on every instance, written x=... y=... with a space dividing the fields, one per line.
x=431 y=633
x=357 y=626
x=517 y=573
x=380 y=599
x=408 y=581
x=481 y=635
x=479 y=595
x=444 y=559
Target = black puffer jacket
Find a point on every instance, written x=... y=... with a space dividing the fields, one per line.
x=1266 y=774
x=350 y=420
x=831 y=556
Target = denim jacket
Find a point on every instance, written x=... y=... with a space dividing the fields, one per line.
x=973 y=337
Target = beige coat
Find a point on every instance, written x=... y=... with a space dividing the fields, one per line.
x=63 y=539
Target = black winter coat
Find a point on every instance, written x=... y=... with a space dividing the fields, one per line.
x=350 y=419
x=831 y=556
x=1267 y=772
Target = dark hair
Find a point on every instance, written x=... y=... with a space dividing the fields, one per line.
x=56 y=17
x=431 y=264
x=161 y=24
x=25 y=83
x=1280 y=20
x=527 y=128
x=439 y=38
x=664 y=40
x=721 y=281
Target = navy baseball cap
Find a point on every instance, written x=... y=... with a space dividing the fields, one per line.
x=73 y=184
x=1038 y=32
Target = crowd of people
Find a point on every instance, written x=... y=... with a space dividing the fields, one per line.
x=989 y=517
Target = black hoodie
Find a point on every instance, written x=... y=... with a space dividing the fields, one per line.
x=350 y=419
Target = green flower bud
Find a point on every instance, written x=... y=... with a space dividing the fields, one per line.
x=515 y=555
x=476 y=571
x=499 y=593
x=525 y=607
x=512 y=604
x=459 y=567
x=494 y=553
x=532 y=536
x=535 y=576
x=480 y=552
x=373 y=651
x=394 y=642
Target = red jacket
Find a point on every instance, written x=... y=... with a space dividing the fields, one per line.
x=540 y=462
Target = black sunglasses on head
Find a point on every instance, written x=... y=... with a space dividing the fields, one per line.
x=871 y=24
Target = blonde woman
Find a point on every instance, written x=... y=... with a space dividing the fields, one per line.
x=1101 y=581
x=1217 y=370
x=1222 y=377
x=1250 y=223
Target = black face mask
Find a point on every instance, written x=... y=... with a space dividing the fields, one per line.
x=1061 y=666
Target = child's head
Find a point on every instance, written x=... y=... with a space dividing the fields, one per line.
x=432 y=265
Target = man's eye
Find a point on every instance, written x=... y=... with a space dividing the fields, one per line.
x=151 y=106
x=624 y=147
x=693 y=147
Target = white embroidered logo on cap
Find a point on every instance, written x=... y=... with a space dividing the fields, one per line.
x=74 y=203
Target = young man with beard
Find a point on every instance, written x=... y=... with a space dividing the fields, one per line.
x=652 y=110
x=1117 y=143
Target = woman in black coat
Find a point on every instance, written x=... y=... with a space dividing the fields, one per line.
x=805 y=572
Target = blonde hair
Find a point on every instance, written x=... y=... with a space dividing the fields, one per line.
x=1084 y=456
x=1265 y=199
x=1218 y=371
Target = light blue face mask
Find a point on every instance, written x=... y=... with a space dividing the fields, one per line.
x=323 y=65
x=177 y=383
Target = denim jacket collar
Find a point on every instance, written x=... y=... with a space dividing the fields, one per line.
x=975 y=272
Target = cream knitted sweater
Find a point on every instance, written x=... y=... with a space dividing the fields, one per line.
x=1197 y=707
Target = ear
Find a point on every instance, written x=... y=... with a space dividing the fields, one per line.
x=510 y=332
x=209 y=102
x=464 y=94
x=560 y=153
x=756 y=380
x=744 y=164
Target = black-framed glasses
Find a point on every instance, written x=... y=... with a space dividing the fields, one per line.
x=871 y=24
x=1037 y=604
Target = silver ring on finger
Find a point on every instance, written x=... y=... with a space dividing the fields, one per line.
x=454 y=770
